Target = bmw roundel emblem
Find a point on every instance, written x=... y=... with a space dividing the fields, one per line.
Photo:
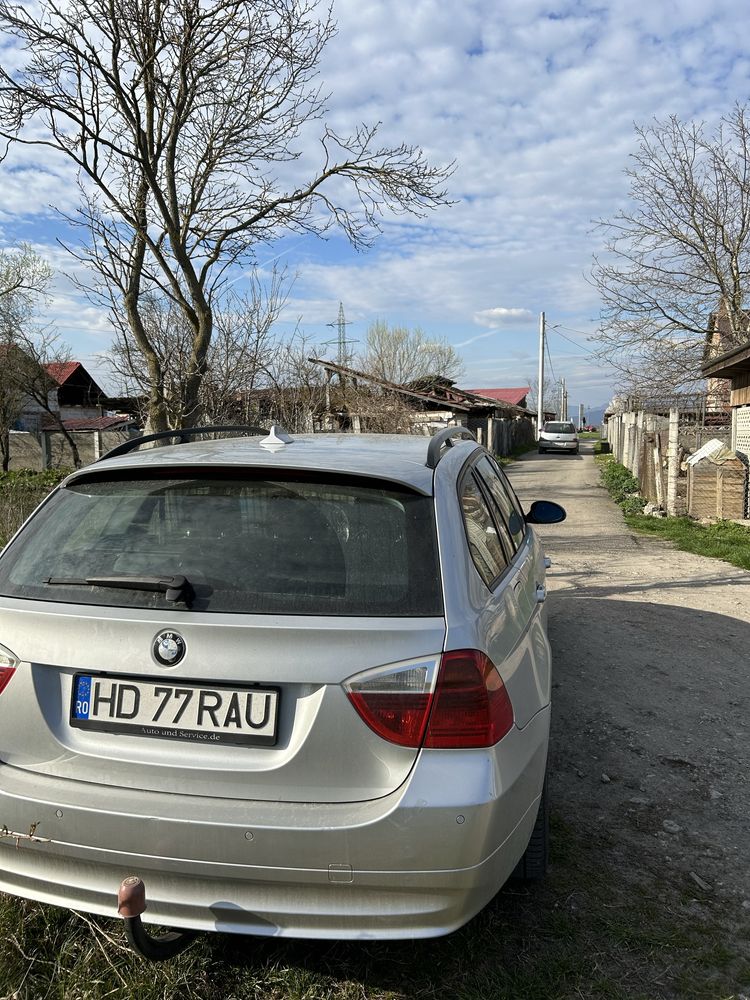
x=168 y=648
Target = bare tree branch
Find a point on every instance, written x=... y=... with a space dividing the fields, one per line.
x=679 y=253
x=183 y=120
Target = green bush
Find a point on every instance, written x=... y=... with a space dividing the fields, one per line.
x=622 y=485
x=20 y=493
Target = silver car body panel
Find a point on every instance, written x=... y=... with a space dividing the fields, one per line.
x=332 y=832
x=417 y=863
x=375 y=456
x=323 y=751
x=507 y=623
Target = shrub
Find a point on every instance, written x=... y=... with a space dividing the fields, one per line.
x=20 y=493
x=622 y=485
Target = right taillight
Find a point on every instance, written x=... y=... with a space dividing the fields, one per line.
x=471 y=707
x=395 y=701
x=460 y=704
x=8 y=664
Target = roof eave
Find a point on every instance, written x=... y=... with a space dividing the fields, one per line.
x=729 y=364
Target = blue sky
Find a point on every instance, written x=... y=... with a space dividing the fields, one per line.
x=536 y=103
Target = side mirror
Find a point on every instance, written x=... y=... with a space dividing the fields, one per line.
x=545 y=512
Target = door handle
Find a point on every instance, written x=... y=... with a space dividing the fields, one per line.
x=541 y=593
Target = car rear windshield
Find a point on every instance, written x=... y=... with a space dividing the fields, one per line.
x=286 y=545
x=559 y=428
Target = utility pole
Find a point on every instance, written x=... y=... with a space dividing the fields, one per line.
x=562 y=399
x=540 y=390
x=580 y=417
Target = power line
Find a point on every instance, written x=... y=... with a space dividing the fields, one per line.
x=557 y=328
x=549 y=356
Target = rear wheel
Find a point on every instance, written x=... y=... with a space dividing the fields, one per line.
x=533 y=864
x=541 y=451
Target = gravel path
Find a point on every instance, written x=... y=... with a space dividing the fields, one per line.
x=651 y=730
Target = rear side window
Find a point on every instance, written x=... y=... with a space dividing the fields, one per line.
x=506 y=500
x=484 y=542
x=287 y=545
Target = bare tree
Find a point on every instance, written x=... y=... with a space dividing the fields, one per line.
x=11 y=402
x=552 y=394
x=400 y=355
x=296 y=394
x=236 y=363
x=24 y=277
x=679 y=252
x=183 y=119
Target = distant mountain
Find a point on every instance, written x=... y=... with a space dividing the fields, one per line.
x=595 y=414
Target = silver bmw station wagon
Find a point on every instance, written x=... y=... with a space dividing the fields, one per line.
x=297 y=687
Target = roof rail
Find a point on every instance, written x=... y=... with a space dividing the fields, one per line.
x=183 y=433
x=445 y=437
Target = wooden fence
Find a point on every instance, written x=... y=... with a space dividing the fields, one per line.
x=654 y=448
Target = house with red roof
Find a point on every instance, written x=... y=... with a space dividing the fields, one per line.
x=65 y=418
x=516 y=397
x=76 y=397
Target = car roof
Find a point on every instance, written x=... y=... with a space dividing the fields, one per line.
x=400 y=458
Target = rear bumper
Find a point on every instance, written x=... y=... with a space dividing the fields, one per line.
x=417 y=863
x=559 y=445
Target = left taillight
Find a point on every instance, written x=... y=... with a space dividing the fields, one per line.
x=8 y=664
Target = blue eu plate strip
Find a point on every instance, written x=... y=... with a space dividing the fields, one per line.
x=83 y=698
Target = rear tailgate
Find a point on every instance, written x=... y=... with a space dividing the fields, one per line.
x=321 y=750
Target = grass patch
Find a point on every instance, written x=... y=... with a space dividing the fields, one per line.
x=520 y=449
x=724 y=540
x=20 y=493
x=622 y=485
x=588 y=932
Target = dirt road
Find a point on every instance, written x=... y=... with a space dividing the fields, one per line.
x=650 y=759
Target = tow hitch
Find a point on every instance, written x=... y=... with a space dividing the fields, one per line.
x=131 y=903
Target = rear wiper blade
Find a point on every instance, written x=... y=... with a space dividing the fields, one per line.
x=174 y=588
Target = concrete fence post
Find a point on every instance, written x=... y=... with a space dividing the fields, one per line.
x=673 y=467
x=44 y=440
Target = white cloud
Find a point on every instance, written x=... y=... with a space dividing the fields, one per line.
x=536 y=104
x=501 y=316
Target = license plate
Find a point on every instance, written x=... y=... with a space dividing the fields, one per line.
x=195 y=712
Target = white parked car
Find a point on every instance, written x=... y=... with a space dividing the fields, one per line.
x=298 y=687
x=558 y=435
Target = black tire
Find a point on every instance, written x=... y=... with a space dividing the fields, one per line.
x=533 y=865
x=575 y=452
x=541 y=451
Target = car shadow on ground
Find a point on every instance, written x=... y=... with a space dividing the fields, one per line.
x=649 y=796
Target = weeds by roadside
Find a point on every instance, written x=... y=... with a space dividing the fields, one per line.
x=20 y=493
x=724 y=540
x=623 y=487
